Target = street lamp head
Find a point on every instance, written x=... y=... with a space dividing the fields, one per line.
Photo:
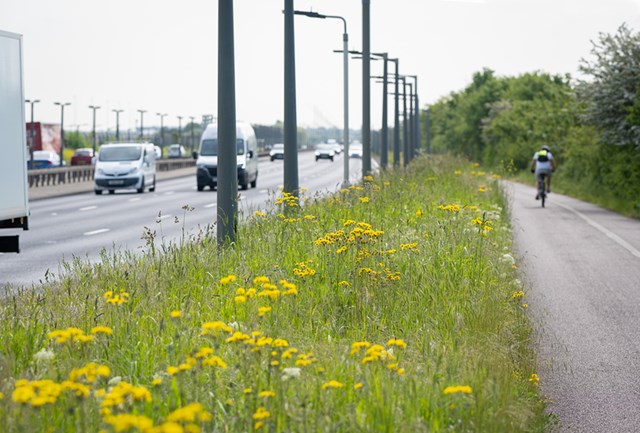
x=62 y=104
x=31 y=101
x=310 y=14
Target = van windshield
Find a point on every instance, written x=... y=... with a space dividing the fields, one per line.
x=209 y=147
x=120 y=153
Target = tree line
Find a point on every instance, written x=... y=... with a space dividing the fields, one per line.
x=592 y=124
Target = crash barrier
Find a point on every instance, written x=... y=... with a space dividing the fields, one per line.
x=85 y=173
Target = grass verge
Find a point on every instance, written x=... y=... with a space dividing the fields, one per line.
x=392 y=306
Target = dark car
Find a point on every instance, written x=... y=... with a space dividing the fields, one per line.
x=325 y=151
x=83 y=156
x=277 y=151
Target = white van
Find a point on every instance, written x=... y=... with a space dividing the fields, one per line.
x=246 y=151
x=125 y=166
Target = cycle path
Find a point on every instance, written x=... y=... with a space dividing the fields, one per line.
x=581 y=265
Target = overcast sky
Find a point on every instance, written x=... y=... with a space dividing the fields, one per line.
x=161 y=55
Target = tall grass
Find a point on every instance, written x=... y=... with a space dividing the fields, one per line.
x=392 y=306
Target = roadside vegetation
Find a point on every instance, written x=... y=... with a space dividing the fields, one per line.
x=592 y=125
x=392 y=306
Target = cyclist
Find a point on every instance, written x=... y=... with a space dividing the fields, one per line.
x=543 y=163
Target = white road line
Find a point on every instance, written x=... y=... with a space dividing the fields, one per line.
x=169 y=193
x=135 y=199
x=614 y=237
x=96 y=232
x=164 y=217
x=210 y=205
x=82 y=209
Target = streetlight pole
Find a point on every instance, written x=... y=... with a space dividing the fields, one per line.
x=227 y=215
x=345 y=78
x=62 y=105
x=31 y=131
x=290 y=117
x=161 y=129
x=366 y=90
x=142 y=124
x=193 y=127
x=405 y=134
x=417 y=138
x=117 y=123
x=94 y=108
x=179 y=127
x=396 y=116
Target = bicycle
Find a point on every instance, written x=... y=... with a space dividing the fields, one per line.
x=542 y=192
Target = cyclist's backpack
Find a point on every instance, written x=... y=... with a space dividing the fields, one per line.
x=543 y=156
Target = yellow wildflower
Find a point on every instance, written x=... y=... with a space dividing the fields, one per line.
x=101 y=330
x=263 y=310
x=260 y=214
x=261 y=413
x=214 y=328
x=176 y=314
x=332 y=384
x=534 y=379
x=215 y=361
x=265 y=394
x=227 y=280
x=397 y=342
x=462 y=389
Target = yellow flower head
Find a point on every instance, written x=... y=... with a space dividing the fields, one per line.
x=460 y=389
x=176 y=314
x=534 y=379
x=332 y=384
x=263 y=310
x=228 y=279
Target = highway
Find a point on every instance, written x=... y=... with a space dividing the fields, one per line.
x=81 y=225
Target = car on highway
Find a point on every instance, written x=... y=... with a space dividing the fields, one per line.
x=158 y=151
x=177 y=151
x=45 y=159
x=355 y=150
x=325 y=151
x=82 y=156
x=125 y=166
x=277 y=151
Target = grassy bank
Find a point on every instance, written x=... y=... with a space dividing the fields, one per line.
x=392 y=306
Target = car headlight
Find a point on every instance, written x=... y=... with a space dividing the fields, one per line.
x=201 y=166
x=133 y=170
x=100 y=171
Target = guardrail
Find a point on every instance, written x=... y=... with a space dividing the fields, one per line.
x=85 y=173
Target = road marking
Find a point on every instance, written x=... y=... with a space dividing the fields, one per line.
x=614 y=237
x=54 y=213
x=169 y=193
x=96 y=232
x=82 y=209
x=207 y=206
x=135 y=199
x=164 y=217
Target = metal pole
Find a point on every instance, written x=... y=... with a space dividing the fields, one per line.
x=411 y=123
x=179 y=127
x=396 y=119
x=405 y=134
x=93 y=134
x=193 y=127
x=141 y=124
x=290 y=118
x=117 y=123
x=366 y=90
x=345 y=133
x=227 y=159
x=31 y=131
x=62 y=105
x=418 y=121
x=384 y=151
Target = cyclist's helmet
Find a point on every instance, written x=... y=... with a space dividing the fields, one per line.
x=545 y=147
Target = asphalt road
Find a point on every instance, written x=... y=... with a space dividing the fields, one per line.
x=81 y=225
x=581 y=265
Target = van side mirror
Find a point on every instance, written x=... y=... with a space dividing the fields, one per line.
x=194 y=155
x=250 y=154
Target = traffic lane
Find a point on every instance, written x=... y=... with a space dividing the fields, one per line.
x=584 y=302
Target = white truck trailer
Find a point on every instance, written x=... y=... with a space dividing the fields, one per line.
x=14 y=191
